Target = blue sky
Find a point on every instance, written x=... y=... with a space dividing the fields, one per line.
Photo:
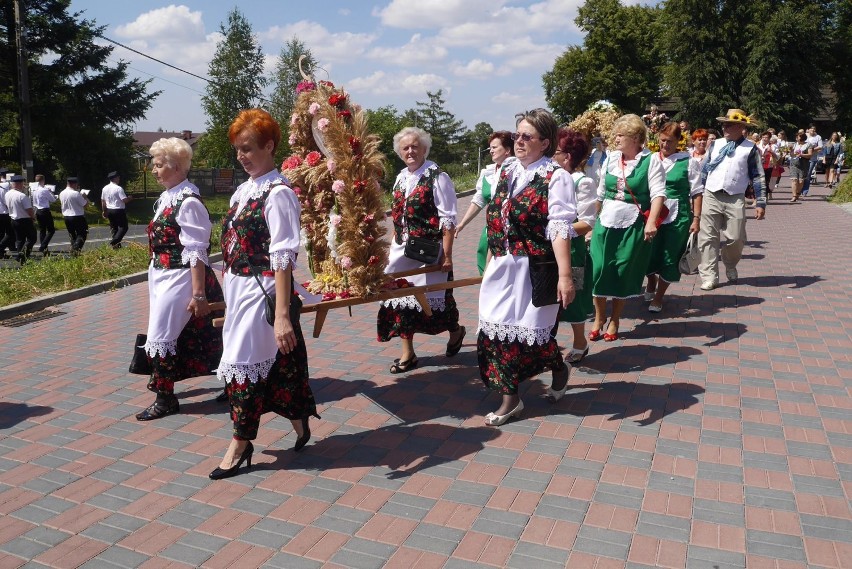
x=487 y=55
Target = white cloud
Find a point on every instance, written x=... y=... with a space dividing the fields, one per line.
x=523 y=53
x=506 y=97
x=427 y=14
x=473 y=69
x=323 y=45
x=416 y=52
x=172 y=23
x=381 y=83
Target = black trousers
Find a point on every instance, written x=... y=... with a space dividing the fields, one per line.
x=117 y=224
x=25 y=235
x=46 y=228
x=7 y=234
x=78 y=230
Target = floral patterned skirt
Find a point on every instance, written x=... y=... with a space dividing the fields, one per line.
x=503 y=365
x=404 y=322
x=199 y=346
x=284 y=390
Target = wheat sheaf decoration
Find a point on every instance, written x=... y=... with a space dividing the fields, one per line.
x=597 y=120
x=335 y=170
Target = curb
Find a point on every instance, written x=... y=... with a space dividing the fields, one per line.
x=36 y=304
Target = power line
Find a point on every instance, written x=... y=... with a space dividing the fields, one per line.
x=136 y=69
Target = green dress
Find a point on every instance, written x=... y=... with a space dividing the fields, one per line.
x=582 y=306
x=668 y=246
x=620 y=256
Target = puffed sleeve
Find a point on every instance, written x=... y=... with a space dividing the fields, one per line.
x=656 y=177
x=195 y=226
x=561 y=206
x=477 y=197
x=587 y=206
x=282 y=211
x=445 y=200
x=695 y=185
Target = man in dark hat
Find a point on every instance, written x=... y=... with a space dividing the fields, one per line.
x=7 y=234
x=732 y=165
x=73 y=211
x=23 y=217
x=113 y=200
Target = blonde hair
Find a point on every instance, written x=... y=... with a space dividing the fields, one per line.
x=423 y=137
x=175 y=151
x=631 y=125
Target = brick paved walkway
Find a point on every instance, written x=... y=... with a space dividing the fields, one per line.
x=715 y=435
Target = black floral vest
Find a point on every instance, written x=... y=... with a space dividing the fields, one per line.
x=527 y=217
x=164 y=244
x=418 y=210
x=245 y=236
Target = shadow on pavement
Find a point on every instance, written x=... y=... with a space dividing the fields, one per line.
x=13 y=413
x=635 y=358
x=715 y=332
x=780 y=280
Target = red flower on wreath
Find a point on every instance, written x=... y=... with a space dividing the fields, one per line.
x=359 y=185
x=291 y=163
x=313 y=158
x=355 y=144
x=372 y=260
x=337 y=100
x=344 y=114
x=305 y=86
x=328 y=84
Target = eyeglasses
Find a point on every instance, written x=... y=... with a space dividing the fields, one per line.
x=523 y=136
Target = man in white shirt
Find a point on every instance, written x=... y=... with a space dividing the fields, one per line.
x=43 y=196
x=732 y=164
x=21 y=211
x=73 y=211
x=113 y=200
x=7 y=234
x=815 y=141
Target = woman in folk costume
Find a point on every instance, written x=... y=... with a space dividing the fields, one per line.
x=264 y=366
x=684 y=196
x=501 y=146
x=531 y=214
x=572 y=150
x=424 y=206
x=182 y=341
x=633 y=181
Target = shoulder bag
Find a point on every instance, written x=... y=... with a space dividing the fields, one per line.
x=691 y=257
x=422 y=249
x=139 y=363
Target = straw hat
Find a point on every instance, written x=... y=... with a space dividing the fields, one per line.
x=738 y=116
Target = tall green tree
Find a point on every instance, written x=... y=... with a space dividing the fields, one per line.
x=284 y=80
x=618 y=60
x=839 y=56
x=385 y=122
x=236 y=83
x=82 y=105
x=441 y=124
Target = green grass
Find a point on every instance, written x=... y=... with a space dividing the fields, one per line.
x=56 y=274
x=843 y=192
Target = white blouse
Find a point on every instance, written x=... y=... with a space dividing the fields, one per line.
x=489 y=173
x=618 y=214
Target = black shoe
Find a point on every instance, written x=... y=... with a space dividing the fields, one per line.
x=454 y=347
x=306 y=435
x=220 y=473
x=222 y=397
x=162 y=407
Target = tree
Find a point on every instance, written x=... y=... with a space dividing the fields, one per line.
x=236 y=83
x=385 y=122
x=441 y=124
x=473 y=144
x=82 y=106
x=618 y=61
x=284 y=81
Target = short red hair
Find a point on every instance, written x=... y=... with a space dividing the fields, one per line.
x=261 y=123
x=699 y=133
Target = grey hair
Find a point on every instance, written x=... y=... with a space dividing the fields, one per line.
x=176 y=152
x=423 y=137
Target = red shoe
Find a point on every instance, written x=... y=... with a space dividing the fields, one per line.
x=595 y=335
x=610 y=337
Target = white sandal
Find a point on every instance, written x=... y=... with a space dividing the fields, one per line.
x=497 y=420
x=575 y=356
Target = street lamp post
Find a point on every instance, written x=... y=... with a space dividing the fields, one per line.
x=479 y=158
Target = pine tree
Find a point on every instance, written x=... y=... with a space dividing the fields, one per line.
x=441 y=124
x=284 y=81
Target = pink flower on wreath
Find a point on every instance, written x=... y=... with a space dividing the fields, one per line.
x=322 y=123
x=330 y=164
x=305 y=86
x=313 y=158
x=345 y=263
x=338 y=186
x=292 y=139
x=294 y=118
x=313 y=108
x=291 y=162
x=335 y=219
x=297 y=190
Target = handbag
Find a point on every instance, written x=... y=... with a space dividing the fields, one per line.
x=139 y=363
x=268 y=300
x=422 y=249
x=544 y=276
x=691 y=257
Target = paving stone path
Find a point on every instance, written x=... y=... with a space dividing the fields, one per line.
x=716 y=434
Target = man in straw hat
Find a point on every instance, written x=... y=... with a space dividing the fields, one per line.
x=733 y=164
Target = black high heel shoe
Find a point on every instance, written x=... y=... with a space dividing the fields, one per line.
x=306 y=435
x=220 y=473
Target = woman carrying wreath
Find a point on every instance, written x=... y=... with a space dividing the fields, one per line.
x=182 y=341
x=424 y=207
x=500 y=146
x=264 y=366
x=531 y=214
x=632 y=181
x=684 y=194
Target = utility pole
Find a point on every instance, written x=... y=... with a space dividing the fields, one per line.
x=24 y=92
